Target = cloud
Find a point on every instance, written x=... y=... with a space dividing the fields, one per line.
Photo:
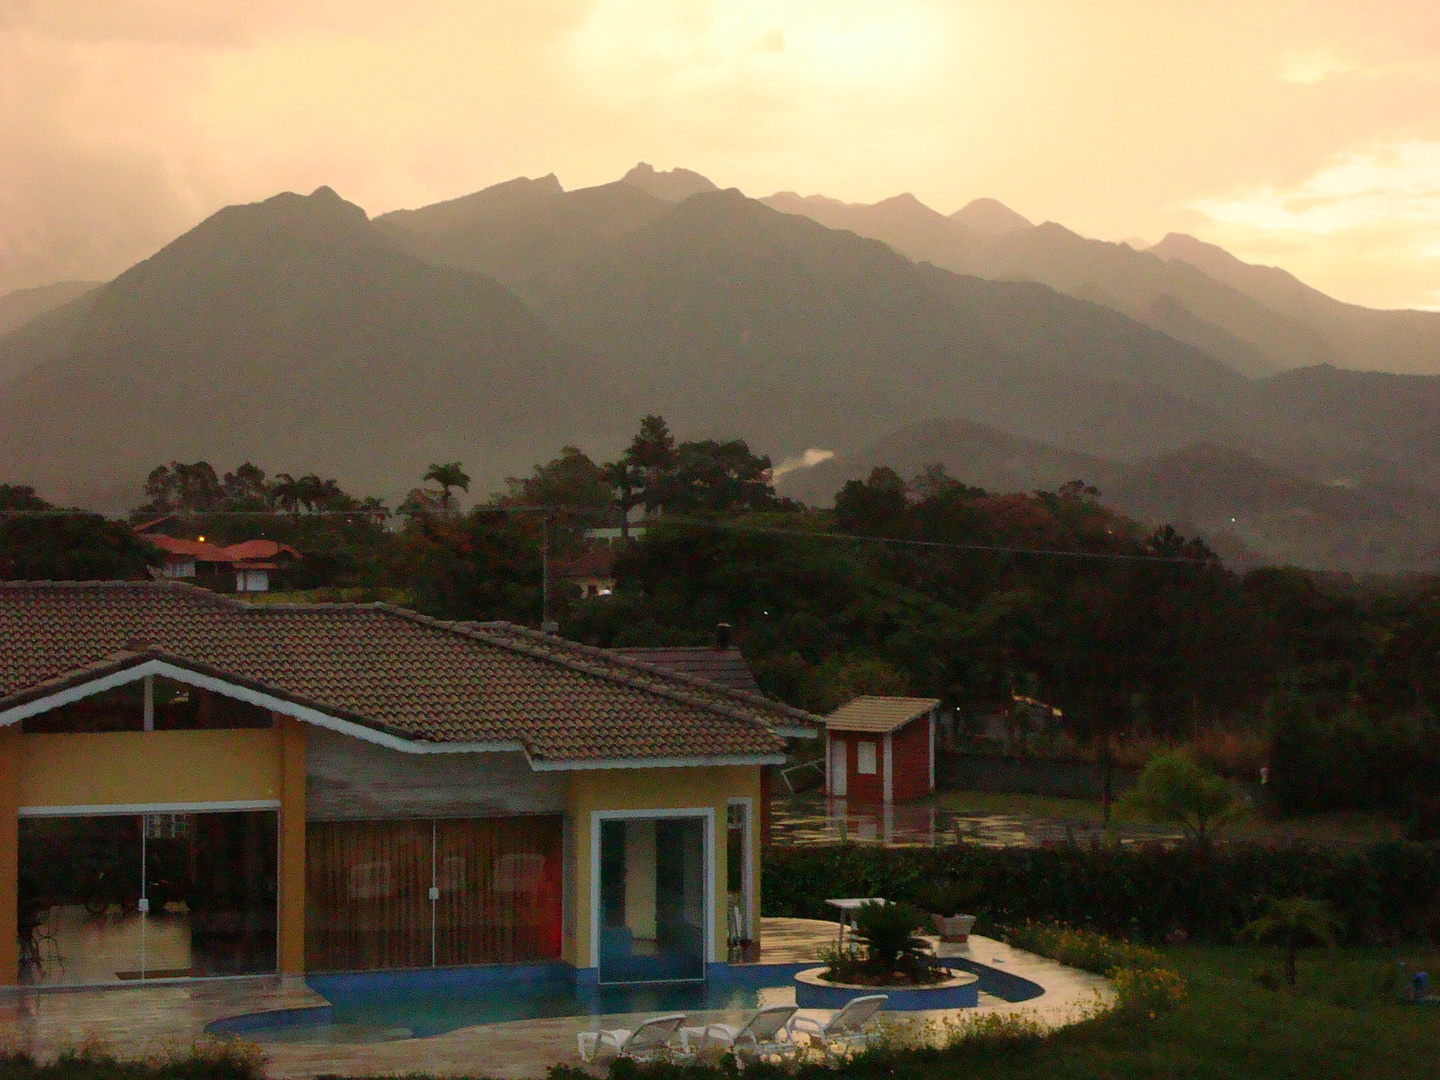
x=808 y=460
x=1365 y=227
x=1392 y=183
x=1312 y=65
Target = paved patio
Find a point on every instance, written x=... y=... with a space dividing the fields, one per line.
x=132 y=1021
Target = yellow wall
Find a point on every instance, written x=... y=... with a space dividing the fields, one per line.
x=128 y=767
x=291 y=943
x=9 y=857
x=655 y=789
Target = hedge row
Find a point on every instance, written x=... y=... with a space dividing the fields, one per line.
x=1385 y=893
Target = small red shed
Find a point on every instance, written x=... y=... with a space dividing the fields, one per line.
x=881 y=749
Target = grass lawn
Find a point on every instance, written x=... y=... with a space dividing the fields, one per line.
x=1342 y=1023
x=1347 y=828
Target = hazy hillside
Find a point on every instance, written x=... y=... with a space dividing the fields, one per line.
x=497 y=327
x=1364 y=338
x=292 y=333
x=732 y=314
x=676 y=185
x=990 y=216
x=1257 y=319
x=1250 y=511
x=522 y=232
x=19 y=307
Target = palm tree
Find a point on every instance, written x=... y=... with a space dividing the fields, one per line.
x=449 y=475
x=1291 y=923
x=285 y=493
x=622 y=479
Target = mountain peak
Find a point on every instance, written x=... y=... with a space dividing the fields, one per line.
x=676 y=185
x=990 y=216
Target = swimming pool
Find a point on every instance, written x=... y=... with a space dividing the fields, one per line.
x=419 y=1004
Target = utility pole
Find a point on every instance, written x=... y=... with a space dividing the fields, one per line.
x=546 y=625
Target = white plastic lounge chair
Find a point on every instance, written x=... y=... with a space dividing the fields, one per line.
x=766 y=1033
x=650 y=1040
x=845 y=1030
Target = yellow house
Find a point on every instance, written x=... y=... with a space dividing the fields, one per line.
x=194 y=787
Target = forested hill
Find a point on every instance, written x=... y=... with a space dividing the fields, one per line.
x=493 y=328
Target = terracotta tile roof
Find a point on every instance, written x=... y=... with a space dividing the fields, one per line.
x=879 y=714
x=620 y=663
x=386 y=668
x=233 y=553
x=724 y=666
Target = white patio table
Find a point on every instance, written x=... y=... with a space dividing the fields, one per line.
x=848 y=906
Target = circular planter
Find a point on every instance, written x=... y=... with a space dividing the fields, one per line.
x=957 y=992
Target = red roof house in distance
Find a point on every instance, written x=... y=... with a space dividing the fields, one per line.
x=881 y=749
x=250 y=562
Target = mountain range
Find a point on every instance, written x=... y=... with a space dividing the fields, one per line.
x=494 y=328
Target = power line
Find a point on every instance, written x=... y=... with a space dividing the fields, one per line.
x=708 y=523
x=944 y=544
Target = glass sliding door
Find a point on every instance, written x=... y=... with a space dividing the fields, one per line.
x=410 y=894
x=125 y=897
x=499 y=891
x=652 y=899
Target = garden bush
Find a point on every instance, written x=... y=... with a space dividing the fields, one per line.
x=1384 y=893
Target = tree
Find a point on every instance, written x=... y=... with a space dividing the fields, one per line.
x=1291 y=923
x=285 y=493
x=72 y=547
x=622 y=484
x=192 y=487
x=651 y=457
x=15 y=497
x=245 y=489
x=570 y=480
x=717 y=478
x=447 y=476
x=876 y=507
x=1175 y=787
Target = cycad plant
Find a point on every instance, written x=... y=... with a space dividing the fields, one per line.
x=889 y=934
x=1292 y=923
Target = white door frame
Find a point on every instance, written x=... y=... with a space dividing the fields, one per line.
x=747 y=860
x=707 y=814
x=839 y=779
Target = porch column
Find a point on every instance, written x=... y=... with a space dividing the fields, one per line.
x=9 y=854
x=292 y=846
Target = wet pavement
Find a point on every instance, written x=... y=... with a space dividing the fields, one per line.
x=806 y=821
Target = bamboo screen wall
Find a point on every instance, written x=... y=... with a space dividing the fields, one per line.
x=496 y=885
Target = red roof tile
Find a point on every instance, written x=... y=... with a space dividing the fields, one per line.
x=386 y=668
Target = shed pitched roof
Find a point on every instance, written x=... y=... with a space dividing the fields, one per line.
x=879 y=714
x=386 y=668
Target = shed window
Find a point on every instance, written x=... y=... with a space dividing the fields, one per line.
x=865 y=758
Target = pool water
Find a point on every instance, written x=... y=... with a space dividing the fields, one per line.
x=405 y=1005
x=419 y=1013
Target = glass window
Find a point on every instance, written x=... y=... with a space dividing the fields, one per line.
x=119 y=709
x=109 y=899
x=396 y=894
x=181 y=707
x=865 y=758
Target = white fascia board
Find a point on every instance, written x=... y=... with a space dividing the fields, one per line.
x=113 y=809
x=659 y=763
x=254 y=697
x=797 y=732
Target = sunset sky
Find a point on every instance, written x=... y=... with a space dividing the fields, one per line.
x=1300 y=134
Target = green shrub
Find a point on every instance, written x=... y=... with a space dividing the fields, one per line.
x=1147 y=990
x=1083 y=949
x=1381 y=894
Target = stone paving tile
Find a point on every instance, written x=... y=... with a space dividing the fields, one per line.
x=136 y=1020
